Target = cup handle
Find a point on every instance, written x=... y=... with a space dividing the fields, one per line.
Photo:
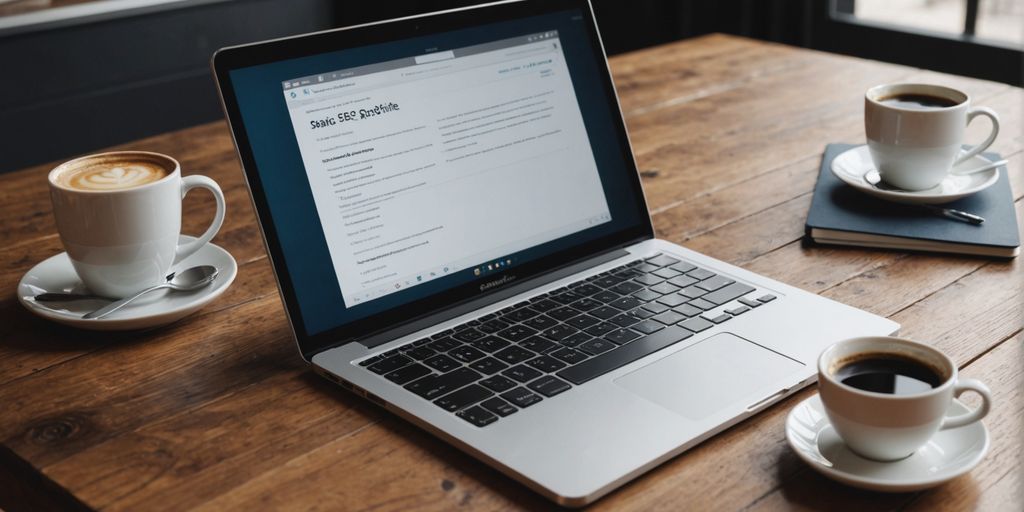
x=965 y=419
x=188 y=183
x=971 y=114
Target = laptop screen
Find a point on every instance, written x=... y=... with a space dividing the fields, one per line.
x=397 y=171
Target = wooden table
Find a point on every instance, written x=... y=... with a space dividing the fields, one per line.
x=219 y=412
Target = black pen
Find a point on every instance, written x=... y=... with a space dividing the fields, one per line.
x=950 y=213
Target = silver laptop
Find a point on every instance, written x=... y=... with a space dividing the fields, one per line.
x=459 y=233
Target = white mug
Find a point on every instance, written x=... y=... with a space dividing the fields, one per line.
x=126 y=239
x=890 y=427
x=914 y=149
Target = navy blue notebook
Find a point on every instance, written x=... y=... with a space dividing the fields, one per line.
x=842 y=215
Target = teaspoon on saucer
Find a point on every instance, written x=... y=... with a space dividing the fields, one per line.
x=188 y=280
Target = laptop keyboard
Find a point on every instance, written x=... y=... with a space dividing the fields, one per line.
x=495 y=365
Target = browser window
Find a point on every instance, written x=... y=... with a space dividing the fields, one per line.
x=427 y=165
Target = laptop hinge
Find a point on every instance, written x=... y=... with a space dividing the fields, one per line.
x=472 y=305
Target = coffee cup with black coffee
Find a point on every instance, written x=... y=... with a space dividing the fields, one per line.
x=119 y=217
x=886 y=397
x=915 y=132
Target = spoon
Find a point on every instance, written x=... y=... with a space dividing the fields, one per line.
x=67 y=297
x=872 y=178
x=990 y=165
x=188 y=280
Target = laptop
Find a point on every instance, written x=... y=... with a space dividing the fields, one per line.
x=460 y=235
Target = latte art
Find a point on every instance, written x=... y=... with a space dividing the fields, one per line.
x=113 y=175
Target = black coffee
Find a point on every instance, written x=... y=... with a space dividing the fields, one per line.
x=889 y=374
x=917 y=101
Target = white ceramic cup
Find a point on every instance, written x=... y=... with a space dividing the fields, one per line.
x=123 y=240
x=890 y=427
x=914 y=149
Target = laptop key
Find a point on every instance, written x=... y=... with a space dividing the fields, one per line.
x=622 y=336
x=586 y=289
x=604 y=363
x=700 y=273
x=408 y=373
x=514 y=354
x=586 y=304
x=607 y=281
x=646 y=295
x=702 y=304
x=713 y=283
x=477 y=416
x=559 y=332
x=683 y=266
x=582 y=322
x=488 y=366
x=687 y=310
x=541 y=322
x=517 y=333
x=522 y=373
x=625 y=303
x=604 y=312
x=682 y=281
x=538 y=344
x=749 y=303
x=492 y=326
x=723 y=295
x=575 y=339
x=662 y=289
x=545 y=305
x=696 y=324
x=468 y=335
x=569 y=355
x=434 y=386
x=718 y=319
x=546 y=364
x=464 y=397
x=466 y=354
x=498 y=406
x=443 y=344
x=549 y=386
x=673 y=300
x=489 y=344
x=738 y=310
x=667 y=273
x=648 y=279
x=646 y=267
x=601 y=329
x=519 y=315
x=442 y=363
x=625 y=320
x=498 y=383
x=563 y=313
x=605 y=296
x=766 y=298
x=648 y=326
x=626 y=288
x=374 y=359
x=567 y=297
x=662 y=260
x=597 y=346
x=655 y=307
x=522 y=397
x=389 y=364
x=668 y=318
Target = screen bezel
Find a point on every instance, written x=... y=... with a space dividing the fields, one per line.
x=228 y=59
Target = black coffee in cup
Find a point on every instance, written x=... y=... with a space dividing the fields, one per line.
x=889 y=374
x=917 y=101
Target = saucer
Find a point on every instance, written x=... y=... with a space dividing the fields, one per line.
x=852 y=165
x=949 y=454
x=160 y=307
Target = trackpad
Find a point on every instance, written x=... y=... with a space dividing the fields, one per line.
x=702 y=379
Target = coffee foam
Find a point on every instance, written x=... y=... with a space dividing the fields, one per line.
x=113 y=173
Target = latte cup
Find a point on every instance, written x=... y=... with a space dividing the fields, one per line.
x=119 y=218
x=889 y=427
x=916 y=148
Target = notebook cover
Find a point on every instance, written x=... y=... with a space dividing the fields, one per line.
x=839 y=207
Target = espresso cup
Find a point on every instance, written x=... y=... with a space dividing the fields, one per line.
x=915 y=144
x=119 y=218
x=892 y=426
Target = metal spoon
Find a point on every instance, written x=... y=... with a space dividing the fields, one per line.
x=68 y=297
x=988 y=166
x=188 y=280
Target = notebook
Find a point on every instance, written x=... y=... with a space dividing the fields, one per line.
x=841 y=215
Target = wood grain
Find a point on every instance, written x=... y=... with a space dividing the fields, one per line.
x=218 y=412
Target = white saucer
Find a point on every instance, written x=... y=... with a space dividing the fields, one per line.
x=949 y=454
x=161 y=307
x=851 y=165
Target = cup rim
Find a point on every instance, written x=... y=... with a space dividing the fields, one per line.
x=868 y=96
x=947 y=383
x=51 y=177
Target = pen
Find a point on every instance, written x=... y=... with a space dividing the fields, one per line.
x=950 y=213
